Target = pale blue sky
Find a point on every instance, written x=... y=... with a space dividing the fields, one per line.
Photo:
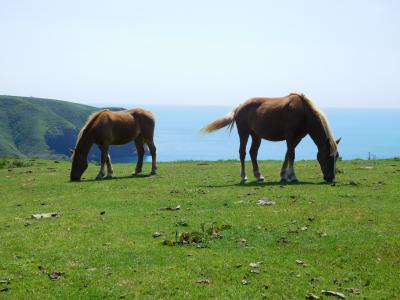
x=341 y=53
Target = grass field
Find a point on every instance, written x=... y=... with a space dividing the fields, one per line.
x=316 y=237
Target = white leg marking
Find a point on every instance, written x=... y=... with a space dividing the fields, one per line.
x=109 y=167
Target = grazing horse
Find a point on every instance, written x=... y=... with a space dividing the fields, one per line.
x=105 y=128
x=287 y=118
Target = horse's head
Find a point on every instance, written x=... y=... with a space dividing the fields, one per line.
x=79 y=165
x=327 y=157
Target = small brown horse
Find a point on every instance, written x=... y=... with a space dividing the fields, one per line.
x=287 y=118
x=106 y=128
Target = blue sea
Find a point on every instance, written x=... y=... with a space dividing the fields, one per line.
x=365 y=133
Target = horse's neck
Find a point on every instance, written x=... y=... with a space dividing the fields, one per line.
x=83 y=146
x=316 y=130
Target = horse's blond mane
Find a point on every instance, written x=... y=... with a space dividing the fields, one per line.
x=90 y=120
x=321 y=116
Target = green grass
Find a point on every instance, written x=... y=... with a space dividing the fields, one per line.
x=352 y=237
x=14 y=163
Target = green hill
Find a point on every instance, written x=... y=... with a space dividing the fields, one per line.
x=35 y=127
x=39 y=127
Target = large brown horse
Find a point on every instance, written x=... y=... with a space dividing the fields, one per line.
x=106 y=128
x=287 y=118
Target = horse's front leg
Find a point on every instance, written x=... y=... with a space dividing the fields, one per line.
x=291 y=174
x=140 y=152
x=284 y=176
x=109 y=166
x=102 y=163
x=255 y=145
x=287 y=171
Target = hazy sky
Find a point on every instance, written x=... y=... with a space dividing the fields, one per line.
x=341 y=53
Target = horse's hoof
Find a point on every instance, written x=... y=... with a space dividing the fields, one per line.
x=284 y=180
x=99 y=178
x=243 y=181
x=260 y=179
x=153 y=172
x=110 y=177
x=295 y=180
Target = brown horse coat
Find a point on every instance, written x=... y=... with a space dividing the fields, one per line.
x=105 y=128
x=287 y=118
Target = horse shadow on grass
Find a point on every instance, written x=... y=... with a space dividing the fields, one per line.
x=264 y=184
x=141 y=176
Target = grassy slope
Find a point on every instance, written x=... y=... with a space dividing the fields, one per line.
x=24 y=122
x=114 y=254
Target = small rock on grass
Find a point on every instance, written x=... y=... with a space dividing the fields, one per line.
x=6 y=289
x=355 y=291
x=203 y=281
x=156 y=234
x=245 y=281
x=255 y=265
x=333 y=294
x=56 y=275
x=243 y=242
x=178 y=207
x=46 y=215
x=311 y=296
x=266 y=201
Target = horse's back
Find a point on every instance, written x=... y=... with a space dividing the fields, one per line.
x=140 y=113
x=272 y=118
x=145 y=120
x=121 y=127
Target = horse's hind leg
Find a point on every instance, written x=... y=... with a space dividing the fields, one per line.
x=255 y=145
x=244 y=136
x=153 y=152
x=148 y=136
x=140 y=153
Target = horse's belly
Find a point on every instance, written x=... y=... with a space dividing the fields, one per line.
x=123 y=133
x=269 y=131
x=124 y=138
x=274 y=137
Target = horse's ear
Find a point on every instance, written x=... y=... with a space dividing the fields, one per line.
x=338 y=141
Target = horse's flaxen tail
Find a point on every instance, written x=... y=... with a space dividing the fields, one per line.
x=228 y=120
